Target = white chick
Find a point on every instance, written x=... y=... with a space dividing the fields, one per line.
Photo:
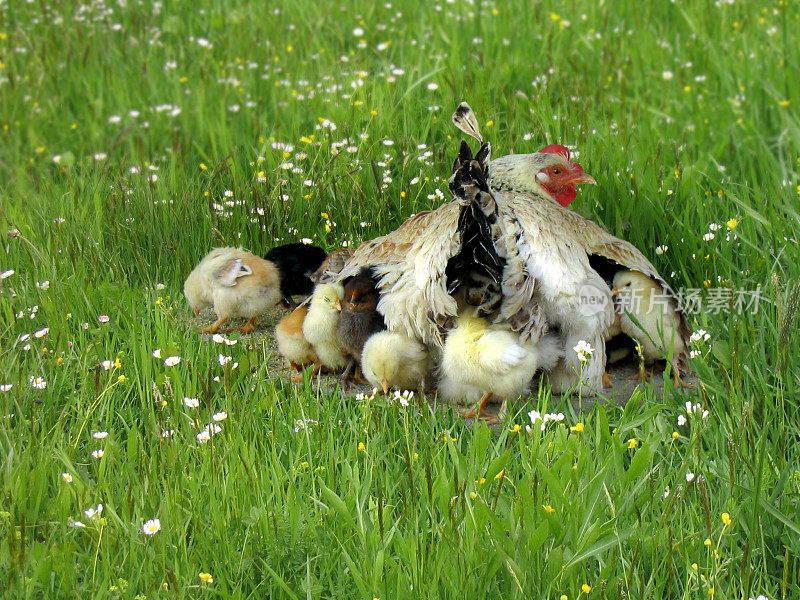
x=238 y=284
x=292 y=344
x=320 y=327
x=491 y=358
x=392 y=359
x=660 y=329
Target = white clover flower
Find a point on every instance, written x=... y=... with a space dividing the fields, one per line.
x=151 y=527
x=219 y=416
x=100 y=435
x=93 y=512
x=432 y=86
x=98 y=454
x=583 y=350
x=37 y=382
x=66 y=477
x=681 y=420
x=191 y=402
x=171 y=361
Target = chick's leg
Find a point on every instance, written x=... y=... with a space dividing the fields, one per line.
x=607 y=383
x=247 y=327
x=214 y=327
x=479 y=410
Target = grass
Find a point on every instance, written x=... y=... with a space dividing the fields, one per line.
x=122 y=126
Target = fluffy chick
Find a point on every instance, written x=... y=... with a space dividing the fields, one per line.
x=295 y=263
x=490 y=358
x=237 y=283
x=392 y=359
x=320 y=327
x=658 y=331
x=292 y=344
x=360 y=317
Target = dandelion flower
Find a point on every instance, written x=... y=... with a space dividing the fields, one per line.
x=152 y=526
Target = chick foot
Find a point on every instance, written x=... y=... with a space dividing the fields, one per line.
x=213 y=328
x=247 y=327
x=479 y=411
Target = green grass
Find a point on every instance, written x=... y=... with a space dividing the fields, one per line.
x=685 y=113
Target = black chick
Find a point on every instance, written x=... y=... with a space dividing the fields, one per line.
x=359 y=318
x=295 y=262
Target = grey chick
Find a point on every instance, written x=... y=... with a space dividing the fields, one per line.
x=359 y=319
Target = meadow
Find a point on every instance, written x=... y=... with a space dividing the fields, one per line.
x=141 y=461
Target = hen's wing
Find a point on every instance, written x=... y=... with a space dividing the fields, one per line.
x=332 y=266
x=410 y=264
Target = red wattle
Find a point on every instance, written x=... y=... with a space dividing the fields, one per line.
x=566 y=196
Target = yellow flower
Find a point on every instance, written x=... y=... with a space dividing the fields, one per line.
x=784 y=103
x=203 y=167
x=548 y=509
x=687 y=89
x=586 y=588
x=324 y=215
x=206 y=577
x=732 y=223
x=59 y=360
x=675 y=435
x=482 y=480
x=373 y=112
x=516 y=428
x=403 y=194
x=694 y=566
x=472 y=495
x=563 y=597
x=158 y=302
x=577 y=428
x=555 y=16
x=707 y=542
x=305 y=139
x=415 y=456
x=361 y=447
x=122 y=378
x=489 y=123
x=726 y=518
x=711 y=591
x=500 y=474
x=632 y=443
x=677 y=174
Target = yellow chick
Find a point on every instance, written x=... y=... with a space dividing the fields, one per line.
x=320 y=327
x=490 y=358
x=292 y=344
x=392 y=359
x=237 y=283
x=661 y=330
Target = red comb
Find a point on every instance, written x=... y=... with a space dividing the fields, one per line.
x=556 y=149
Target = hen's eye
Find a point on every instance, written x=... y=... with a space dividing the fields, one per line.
x=556 y=171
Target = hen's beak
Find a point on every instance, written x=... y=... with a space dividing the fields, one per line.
x=337 y=305
x=584 y=178
x=385 y=386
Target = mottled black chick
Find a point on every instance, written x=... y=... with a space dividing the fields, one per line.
x=295 y=262
x=359 y=318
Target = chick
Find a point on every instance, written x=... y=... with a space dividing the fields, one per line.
x=292 y=344
x=237 y=283
x=320 y=327
x=660 y=330
x=490 y=358
x=332 y=265
x=198 y=287
x=295 y=263
x=392 y=359
x=359 y=319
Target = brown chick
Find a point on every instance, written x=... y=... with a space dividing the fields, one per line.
x=292 y=344
x=359 y=319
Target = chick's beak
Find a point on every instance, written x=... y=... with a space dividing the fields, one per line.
x=385 y=386
x=584 y=178
x=614 y=292
x=337 y=304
